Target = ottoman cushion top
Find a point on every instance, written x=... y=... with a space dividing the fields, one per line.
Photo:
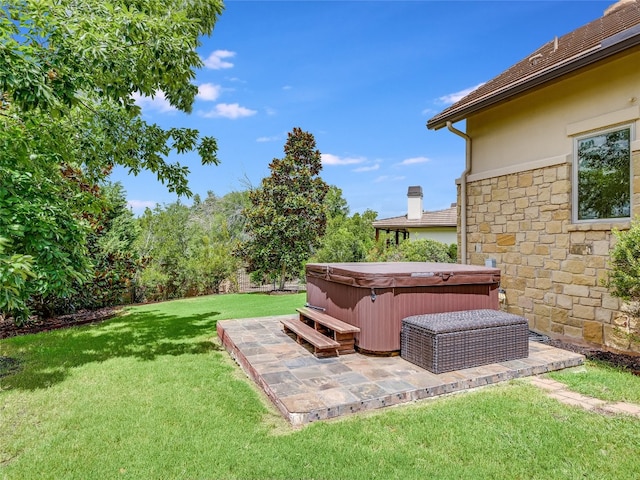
x=464 y=320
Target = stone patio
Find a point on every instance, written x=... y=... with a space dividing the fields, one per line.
x=306 y=389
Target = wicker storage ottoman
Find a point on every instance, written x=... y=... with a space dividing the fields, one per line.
x=441 y=342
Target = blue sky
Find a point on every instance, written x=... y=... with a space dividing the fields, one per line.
x=363 y=77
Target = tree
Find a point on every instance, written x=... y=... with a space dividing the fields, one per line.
x=15 y=270
x=287 y=217
x=347 y=239
x=624 y=277
x=423 y=250
x=188 y=250
x=69 y=71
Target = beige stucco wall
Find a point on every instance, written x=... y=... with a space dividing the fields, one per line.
x=519 y=203
x=539 y=127
x=444 y=235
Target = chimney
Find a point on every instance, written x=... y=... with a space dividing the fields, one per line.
x=414 y=203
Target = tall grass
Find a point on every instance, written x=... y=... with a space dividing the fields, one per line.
x=150 y=395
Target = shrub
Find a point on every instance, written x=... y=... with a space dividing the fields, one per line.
x=624 y=277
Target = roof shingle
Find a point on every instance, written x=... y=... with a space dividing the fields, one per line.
x=621 y=23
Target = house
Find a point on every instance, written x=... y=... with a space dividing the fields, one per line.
x=439 y=225
x=552 y=169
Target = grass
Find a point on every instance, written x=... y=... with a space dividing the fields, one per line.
x=150 y=396
x=601 y=380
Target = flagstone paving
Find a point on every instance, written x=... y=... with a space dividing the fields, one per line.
x=306 y=388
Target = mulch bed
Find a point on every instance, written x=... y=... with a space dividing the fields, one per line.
x=630 y=362
x=9 y=329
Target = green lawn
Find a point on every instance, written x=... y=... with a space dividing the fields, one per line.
x=150 y=395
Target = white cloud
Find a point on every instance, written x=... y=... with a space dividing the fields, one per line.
x=228 y=110
x=388 y=178
x=369 y=168
x=414 y=161
x=268 y=139
x=270 y=111
x=140 y=205
x=287 y=87
x=216 y=61
x=209 y=92
x=329 y=159
x=157 y=103
x=454 y=97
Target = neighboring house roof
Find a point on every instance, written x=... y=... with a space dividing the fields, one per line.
x=438 y=218
x=617 y=30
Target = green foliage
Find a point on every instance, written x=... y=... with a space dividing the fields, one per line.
x=37 y=216
x=624 y=277
x=15 y=271
x=68 y=75
x=287 y=216
x=423 y=250
x=347 y=239
x=187 y=250
x=114 y=260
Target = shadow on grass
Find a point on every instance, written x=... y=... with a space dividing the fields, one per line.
x=47 y=358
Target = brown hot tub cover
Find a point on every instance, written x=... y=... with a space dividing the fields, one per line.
x=402 y=274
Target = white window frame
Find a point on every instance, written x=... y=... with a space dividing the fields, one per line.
x=574 y=177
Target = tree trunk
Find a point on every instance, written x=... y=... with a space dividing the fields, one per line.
x=283 y=276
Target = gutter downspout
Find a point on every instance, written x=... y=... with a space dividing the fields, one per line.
x=463 y=192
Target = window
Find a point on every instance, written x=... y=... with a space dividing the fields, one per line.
x=602 y=175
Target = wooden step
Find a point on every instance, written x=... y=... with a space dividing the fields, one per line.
x=327 y=320
x=338 y=330
x=323 y=346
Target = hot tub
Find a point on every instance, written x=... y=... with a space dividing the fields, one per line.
x=375 y=297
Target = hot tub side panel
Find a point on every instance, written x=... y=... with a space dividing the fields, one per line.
x=379 y=316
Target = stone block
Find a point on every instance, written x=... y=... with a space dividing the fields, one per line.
x=584 y=312
x=593 y=332
x=506 y=240
x=562 y=277
x=588 y=280
x=573 y=266
x=557 y=328
x=554 y=227
x=500 y=194
x=550 y=175
x=525 y=179
x=559 y=199
x=512 y=257
x=603 y=315
x=616 y=338
x=524 y=302
x=593 y=261
x=601 y=247
x=541 y=250
x=561 y=186
x=559 y=315
x=576 y=290
x=564 y=301
x=542 y=324
x=543 y=283
x=557 y=253
x=610 y=302
x=534 y=294
x=575 y=332
x=542 y=310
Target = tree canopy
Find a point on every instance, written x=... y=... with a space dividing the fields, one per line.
x=69 y=71
x=287 y=217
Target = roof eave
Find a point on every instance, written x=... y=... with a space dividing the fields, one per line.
x=537 y=80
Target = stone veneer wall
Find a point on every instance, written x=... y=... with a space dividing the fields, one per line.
x=552 y=270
